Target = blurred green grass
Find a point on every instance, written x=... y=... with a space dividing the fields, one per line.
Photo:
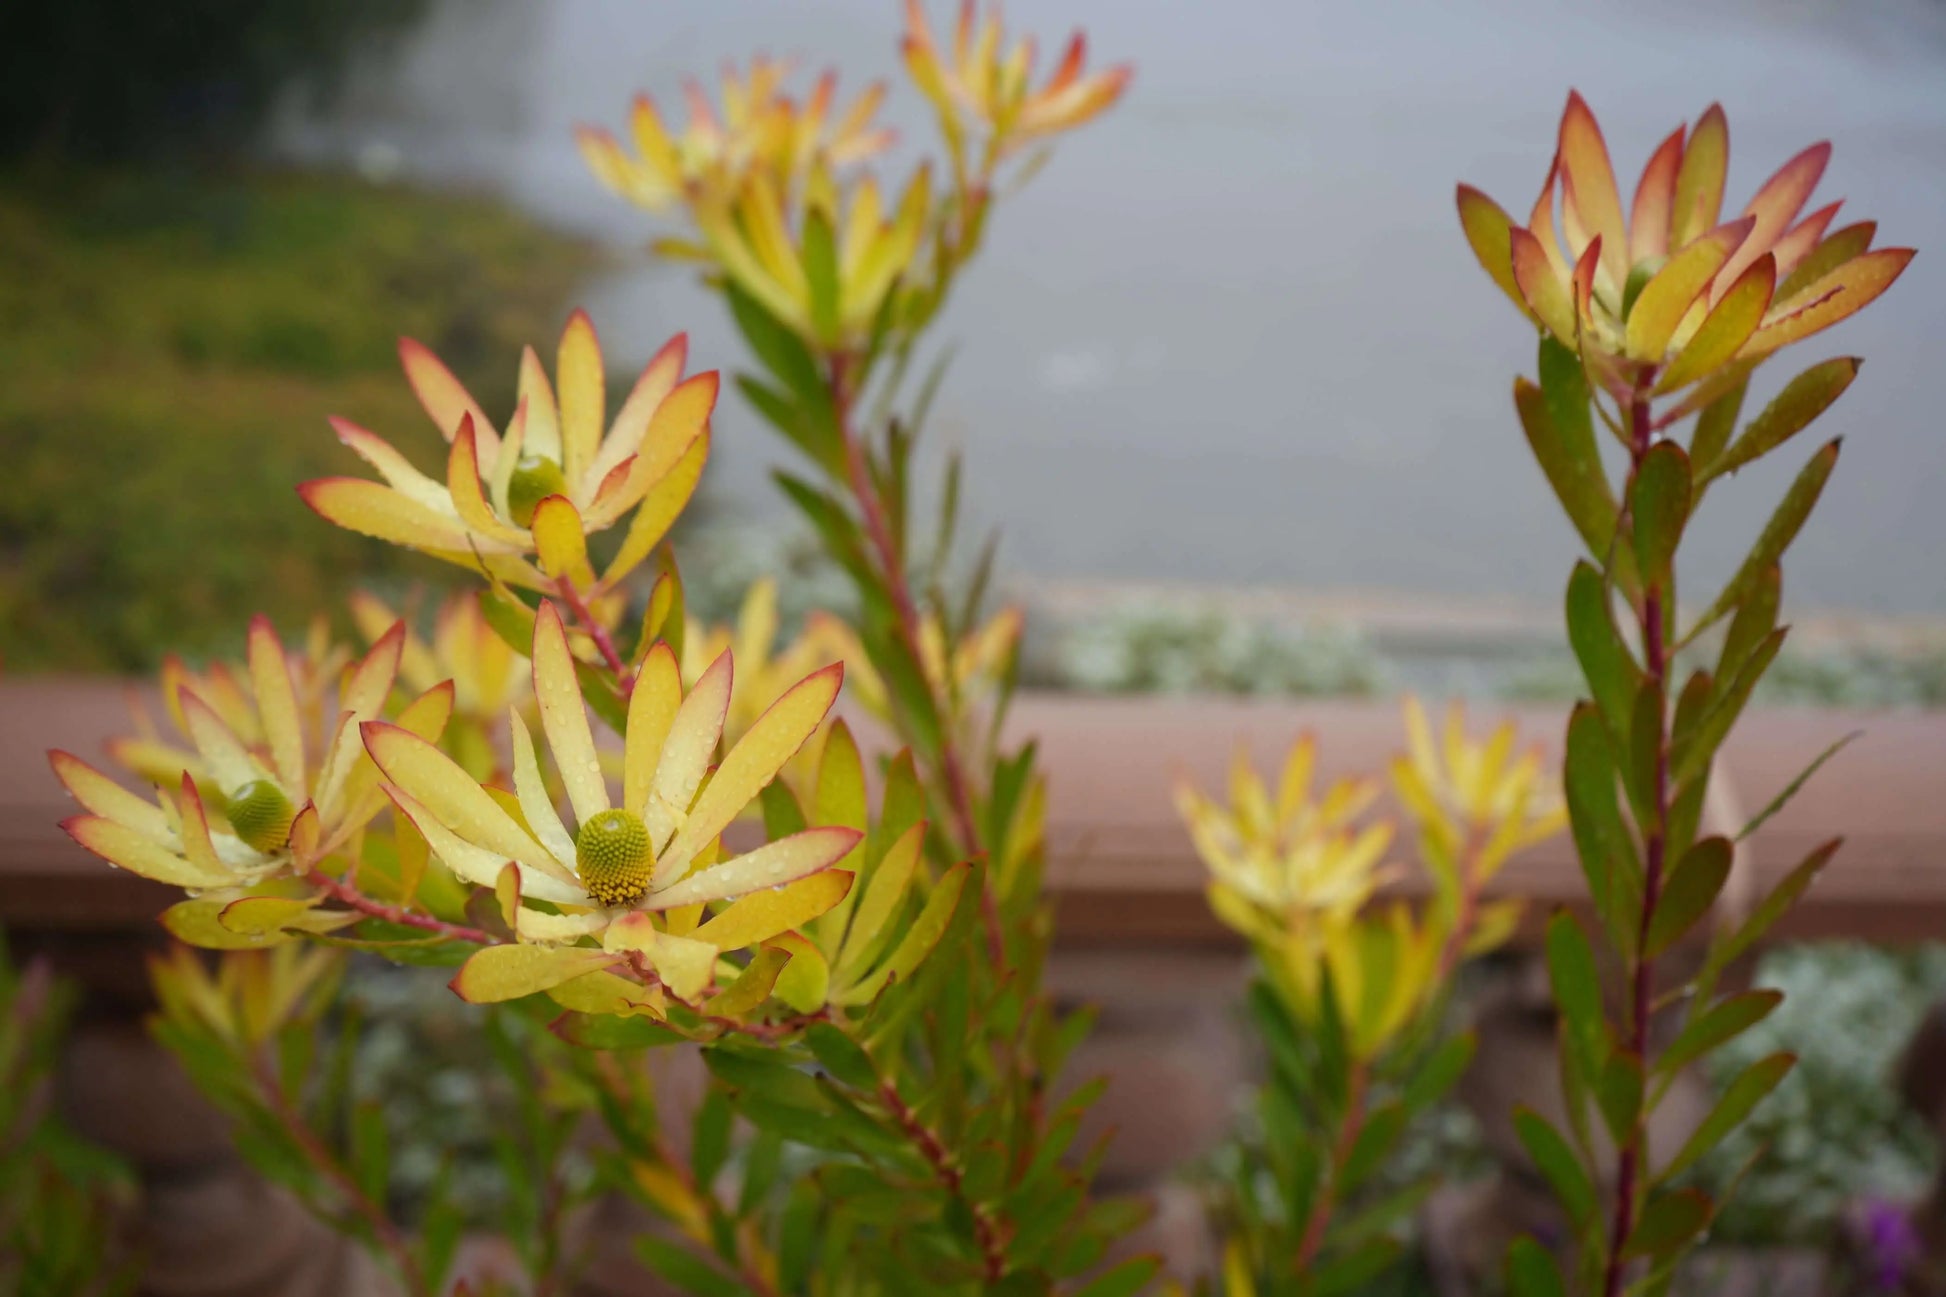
x=170 y=346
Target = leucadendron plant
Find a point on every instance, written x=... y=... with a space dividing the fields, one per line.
x=1352 y=990
x=647 y=833
x=1652 y=324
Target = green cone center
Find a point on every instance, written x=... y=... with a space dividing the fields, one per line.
x=612 y=855
x=261 y=815
x=535 y=478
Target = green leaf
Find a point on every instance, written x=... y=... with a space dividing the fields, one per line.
x=1776 y=537
x=1717 y=1025
x=1803 y=399
x=1555 y=1159
x=1532 y=1270
x=1612 y=674
x=1618 y=1093
x=1715 y=425
x=1577 y=987
x=1645 y=739
x=1658 y=504
x=842 y=1057
x=1739 y=1097
x=1691 y=753
x=1783 y=798
x=709 y=1144
x=1437 y=1075
x=1773 y=907
x=816 y=436
x=686 y=1270
x=1602 y=839
x=1570 y=461
x=511 y=620
x=606 y=1032
x=1688 y=893
x=821 y=272
x=1126 y=1279
x=370 y=1150
x=782 y=352
x=1669 y=1222
x=1756 y=618
x=1375 y=1141
x=834 y=526
x=782 y=815
x=1355 y=1271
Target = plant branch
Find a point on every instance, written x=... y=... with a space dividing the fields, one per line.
x=604 y=642
x=1631 y=1166
x=951 y=769
x=1349 y=1127
x=986 y=1234
x=346 y=894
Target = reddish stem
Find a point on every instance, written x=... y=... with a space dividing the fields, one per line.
x=1322 y=1209
x=345 y=894
x=604 y=642
x=1631 y=1163
x=992 y=1250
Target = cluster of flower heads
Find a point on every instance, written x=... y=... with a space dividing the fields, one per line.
x=1300 y=875
x=780 y=193
x=1670 y=292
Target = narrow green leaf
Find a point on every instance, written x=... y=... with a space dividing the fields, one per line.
x=1555 y=1159
x=1669 y=1222
x=1602 y=840
x=1377 y=1138
x=1126 y=1279
x=1692 y=754
x=685 y=1269
x=782 y=352
x=821 y=272
x=1803 y=399
x=1355 y=1271
x=1687 y=895
x=1738 y=1099
x=709 y=1144
x=842 y=1057
x=1773 y=907
x=1717 y=1025
x=1658 y=504
x=1433 y=1079
x=1783 y=798
x=1755 y=619
x=1645 y=748
x=1612 y=674
x=1776 y=537
x=1715 y=425
x=1618 y=1093
x=1577 y=986
x=811 y=433
x=1532 y=1270
x=1572 y=465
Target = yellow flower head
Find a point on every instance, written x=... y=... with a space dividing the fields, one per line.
x=268 y=785
x=652 y=851
x=251 y=995
x=550 y=481
x=978 y=83
x=760 y=130
x=1285 y=863
x=1670 y=285
x=822 y=262
x=1462 y=790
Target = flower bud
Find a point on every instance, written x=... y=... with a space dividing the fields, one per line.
x=261 y=815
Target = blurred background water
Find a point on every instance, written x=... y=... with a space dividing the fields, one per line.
x=1232 y=335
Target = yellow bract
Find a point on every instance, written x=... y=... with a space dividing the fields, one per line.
x=1670 y=283
x=485 y=514
x=249 y=996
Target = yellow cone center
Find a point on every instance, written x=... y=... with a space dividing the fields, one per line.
x=535 y=478
x=261 y=815
x=612 y=855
